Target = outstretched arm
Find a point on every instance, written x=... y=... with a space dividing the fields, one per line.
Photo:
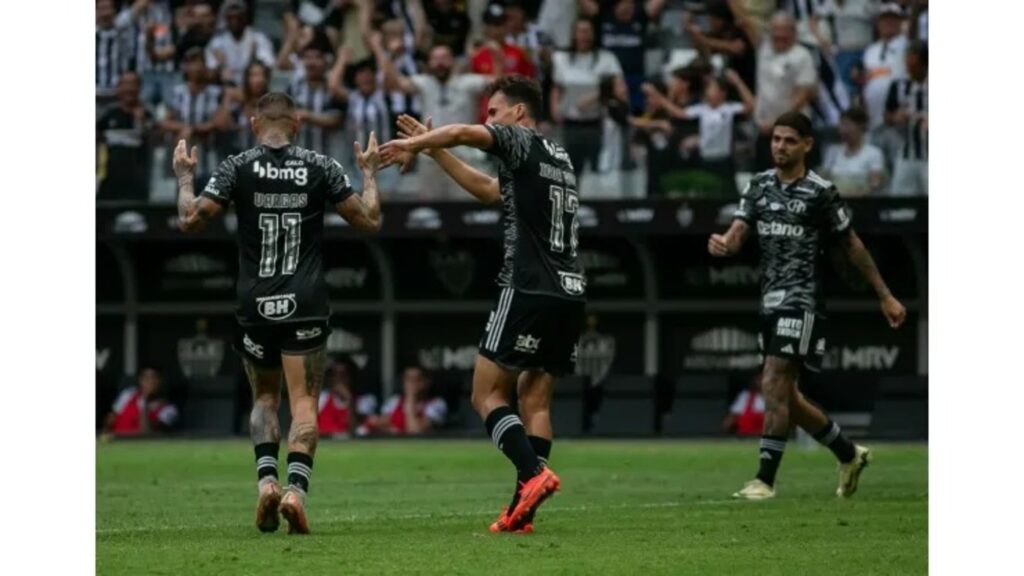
x=193 y=213
x=363 y=212
x=730 y=243
x=859 y=256
x=474 y=135
x=482 y=186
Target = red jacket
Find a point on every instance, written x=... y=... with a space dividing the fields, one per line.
x=516 y=62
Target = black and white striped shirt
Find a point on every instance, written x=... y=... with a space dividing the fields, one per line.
x=158 y=15
x=400 y=102
x=913 y=96
x=194 y=109
x=318 y=100
x=113 y=58
x=368 y=113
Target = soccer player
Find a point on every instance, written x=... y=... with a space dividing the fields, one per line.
x=280 y=191
x=798 y=217
x=530 y=338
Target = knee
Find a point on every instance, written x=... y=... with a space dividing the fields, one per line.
x=533 y=403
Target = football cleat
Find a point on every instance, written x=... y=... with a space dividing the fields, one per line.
x=504 y=524
x=755 y=490
x=533 y=493
x=849 y=473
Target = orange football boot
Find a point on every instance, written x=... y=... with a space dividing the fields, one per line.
x=293 y=508
x=266 y=507
x=533 y=493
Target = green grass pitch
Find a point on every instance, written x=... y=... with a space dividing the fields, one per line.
x=423 y=507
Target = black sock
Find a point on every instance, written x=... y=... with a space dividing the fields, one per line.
x=507 y=432
x=541 y=447
x=266 y=461
x=300 y=468
x=772 y=448
x=839 y=444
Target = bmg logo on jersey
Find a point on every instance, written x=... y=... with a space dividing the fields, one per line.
x=276 y=307
x=780 y=229
x=267 y=170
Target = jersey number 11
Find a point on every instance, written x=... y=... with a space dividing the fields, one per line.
x=271 y=224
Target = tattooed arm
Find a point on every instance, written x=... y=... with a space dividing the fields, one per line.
x=193 y=213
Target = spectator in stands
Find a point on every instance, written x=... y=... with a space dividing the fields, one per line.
x=746 y=414
x=919 y=20
x=449 y=97
x=326 y=15
x=114 y=54
x=199 y=23
x=907 y=108
x=727 y=43
x=231 y=51
x=335 y=418
x=368 y=110
x=240 y=105
x=194 y=104
x=124 y=131
x=576 y=98
x=786 y=80
x=153 y=28
x=623 y=31
x=883 y=63
x=497 y=56
x=450 y=23
x=402 y=53
x=139 y=409
x=528 y=36
x=415 y=411
x=715 y=116
x=552 y=19
x=856 y=167
x=320 y=113
x=854 y=32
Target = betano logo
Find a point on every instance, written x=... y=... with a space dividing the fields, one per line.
x=267 y=170
x=780 y=229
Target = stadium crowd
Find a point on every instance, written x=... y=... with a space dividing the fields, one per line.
x=656 y=97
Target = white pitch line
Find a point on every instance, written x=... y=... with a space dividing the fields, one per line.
x=416 y=516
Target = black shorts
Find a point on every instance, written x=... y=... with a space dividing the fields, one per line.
x=263 y=344
x=533 y=332
x=794 y=334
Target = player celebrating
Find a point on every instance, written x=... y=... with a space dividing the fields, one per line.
x=280 y=191
x=532 y=333
x=798 y=215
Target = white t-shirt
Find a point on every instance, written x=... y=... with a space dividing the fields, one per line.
x=883 y=63
x=579 y=77
x=854 y=23
x=239 y=53
x=454 y=102
x=779 y=74
x=715 y=128
x=850 y=173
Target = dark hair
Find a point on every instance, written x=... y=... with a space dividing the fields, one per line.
x=797 y=121
x=858 y=116
x=574 y=48
x=519 y=90
x=246 y=95
x=274 y=105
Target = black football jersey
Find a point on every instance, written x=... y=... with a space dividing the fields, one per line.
x=280 y=195
x=794 y=224
x=540 y=200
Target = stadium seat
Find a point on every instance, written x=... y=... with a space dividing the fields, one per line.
x=698 y=405
x=626 y=407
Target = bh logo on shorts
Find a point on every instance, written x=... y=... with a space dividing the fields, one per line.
x=276 y=307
